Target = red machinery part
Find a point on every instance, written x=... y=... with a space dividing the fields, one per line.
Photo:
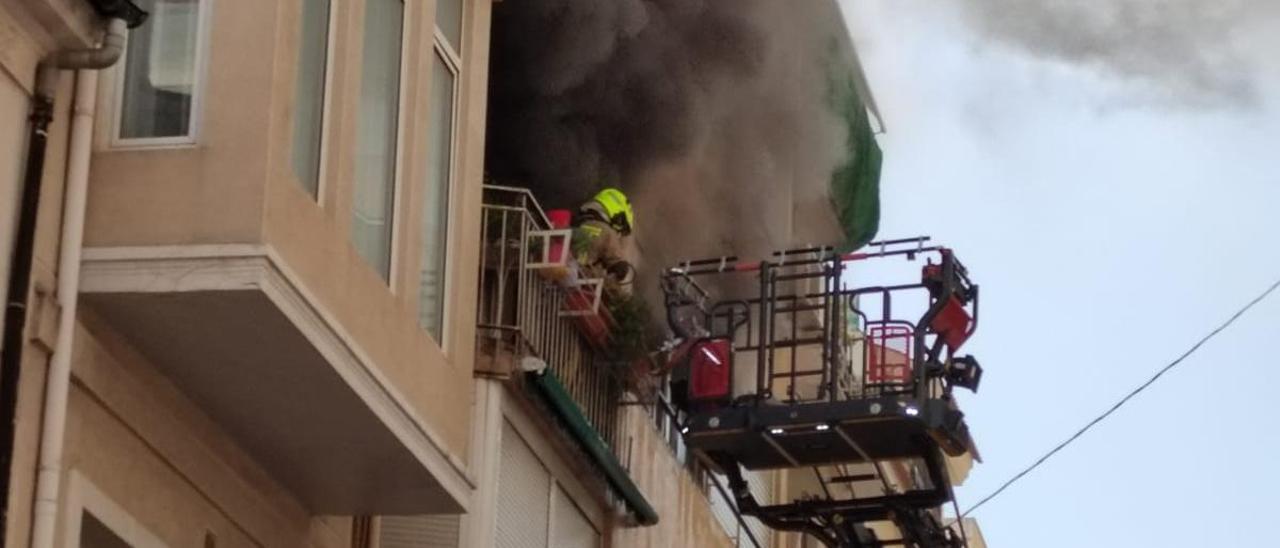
x=952 y=323
x=710 y=367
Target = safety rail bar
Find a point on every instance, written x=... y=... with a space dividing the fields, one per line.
x=814 y=256
x=786 y=289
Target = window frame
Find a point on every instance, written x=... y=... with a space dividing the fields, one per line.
x=441 y=47
x=403 y=96
x=204 y=17
x=83 y=496
x=326 y=102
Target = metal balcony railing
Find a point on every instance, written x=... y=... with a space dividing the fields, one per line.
x=521 y=315
x=521 y=308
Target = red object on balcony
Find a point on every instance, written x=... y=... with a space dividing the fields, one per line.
x=559 y=218
x=710 y=367
x=889 y=354
x=952 y=323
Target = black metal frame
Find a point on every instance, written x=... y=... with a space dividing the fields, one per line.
x=929 y=357
x=844 y=421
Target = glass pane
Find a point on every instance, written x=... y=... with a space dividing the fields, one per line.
x=95 y=534
x=376 y=141
x=160 y=71
x=449 y=19
x=435 y=206
x=308 y=100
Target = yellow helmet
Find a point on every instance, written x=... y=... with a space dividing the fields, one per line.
x=617 y=209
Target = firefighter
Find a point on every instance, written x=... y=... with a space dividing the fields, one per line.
x=599 y=229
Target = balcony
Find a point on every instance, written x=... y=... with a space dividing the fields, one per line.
x=546 y=330
x=543 y=329
x=238 y=337
x=233 y=270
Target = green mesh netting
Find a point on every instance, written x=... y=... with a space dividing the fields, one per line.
x=855 y=185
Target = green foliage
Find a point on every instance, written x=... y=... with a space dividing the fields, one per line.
x=631 y=336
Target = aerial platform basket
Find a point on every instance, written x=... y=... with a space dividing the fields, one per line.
x=804 y=371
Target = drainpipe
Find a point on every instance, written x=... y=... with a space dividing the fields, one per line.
x=59 y=375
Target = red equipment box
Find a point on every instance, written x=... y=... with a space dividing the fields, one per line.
x=710 y=371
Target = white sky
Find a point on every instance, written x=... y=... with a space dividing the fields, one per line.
x=1108 y=234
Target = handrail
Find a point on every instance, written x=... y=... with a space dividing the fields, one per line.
x=532 y=200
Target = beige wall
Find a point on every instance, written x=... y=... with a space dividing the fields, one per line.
x=30 y=29
x=235 y=185
x=134 y=437
x=139 y=441
x=166 y=462
x=685 y=516
x=313 y=238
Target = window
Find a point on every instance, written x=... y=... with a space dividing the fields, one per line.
x=96 y=521
x=159 y=93
x=309 y=93
x=379 y=112
x=435 y=207
x=449 y=21
x=440 y=155
x=95 y=534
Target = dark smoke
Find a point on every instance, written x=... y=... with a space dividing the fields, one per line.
x=712 y=115
x=586 y=92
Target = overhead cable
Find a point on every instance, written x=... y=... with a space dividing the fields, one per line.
x=1124 y=400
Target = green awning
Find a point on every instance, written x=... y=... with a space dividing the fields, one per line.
x=593 y=443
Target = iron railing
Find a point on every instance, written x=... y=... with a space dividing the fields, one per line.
x=521 y=309
x=519 y=316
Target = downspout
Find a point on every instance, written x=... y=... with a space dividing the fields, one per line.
x=59 y=375
x=15 y=310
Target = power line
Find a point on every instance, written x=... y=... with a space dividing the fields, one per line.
x=1124 y=400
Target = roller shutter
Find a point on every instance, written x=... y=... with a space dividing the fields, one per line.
x=523 y=501
x=533 y=511
x=418 y=532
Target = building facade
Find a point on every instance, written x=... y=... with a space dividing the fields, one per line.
x=273 y=335
x=254 y=316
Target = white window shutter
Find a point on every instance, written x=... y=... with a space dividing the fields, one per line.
x=524 y=488
x=436 y=531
